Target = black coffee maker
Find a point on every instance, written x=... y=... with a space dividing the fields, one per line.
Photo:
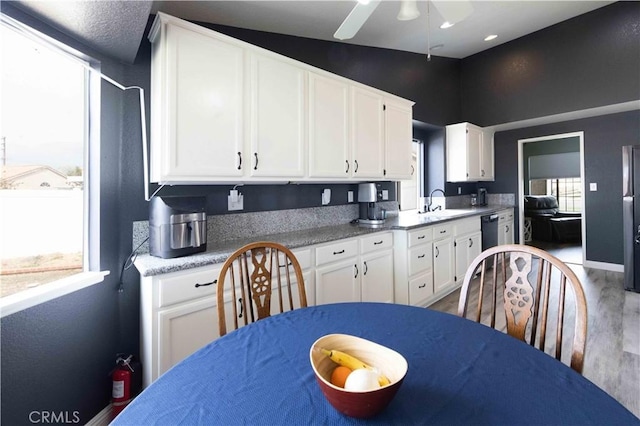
x=371 y=214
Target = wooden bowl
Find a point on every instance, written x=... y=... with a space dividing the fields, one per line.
x=352 y=403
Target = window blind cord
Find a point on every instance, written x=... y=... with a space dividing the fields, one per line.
x=128 y=263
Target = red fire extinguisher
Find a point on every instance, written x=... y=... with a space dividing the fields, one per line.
x=121 y=391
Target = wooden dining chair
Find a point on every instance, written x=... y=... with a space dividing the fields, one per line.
x=257 y=280
x=530 y=284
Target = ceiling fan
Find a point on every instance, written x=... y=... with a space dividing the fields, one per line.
x=451 y=11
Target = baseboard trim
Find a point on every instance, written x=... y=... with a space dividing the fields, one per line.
x=103 y=418
x=613 y=267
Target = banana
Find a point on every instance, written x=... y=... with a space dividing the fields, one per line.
x=353 y=363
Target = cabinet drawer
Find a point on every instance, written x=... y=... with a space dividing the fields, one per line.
x=420 y=259
x=338 y=250
x=180 y=286
x=377 y=241
x=420 y=289
x=442 y=231
x=303 y=256
x=420 y=236
x=466 y=226
x=505 y=216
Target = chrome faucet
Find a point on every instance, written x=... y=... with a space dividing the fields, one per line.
x=429 y=209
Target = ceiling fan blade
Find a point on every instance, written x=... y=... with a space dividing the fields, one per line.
x=453 y=11
x=356 y=19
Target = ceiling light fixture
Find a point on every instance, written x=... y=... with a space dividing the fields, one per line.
x=446 y=25
x=408 y=10
x=490 y=37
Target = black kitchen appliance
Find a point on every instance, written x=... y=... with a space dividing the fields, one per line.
x=631 y=216
x=177 y=226
x=482 y=197
x=371 y=214
x=489 y=228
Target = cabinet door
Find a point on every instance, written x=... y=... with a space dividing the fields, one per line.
x=420 y=288
x=338 y=282
x=505 y=233
x=295 y=294
x=184 y=329
x=467 y=248
x=277 y=119
x=328 y=128
x=474 y=152
x=377 y=277
x=442 y=264
x=398 y=140
x=367 y=136
x=205 y=106
x=486 y=167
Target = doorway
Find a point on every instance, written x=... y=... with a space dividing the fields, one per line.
x=553 y=167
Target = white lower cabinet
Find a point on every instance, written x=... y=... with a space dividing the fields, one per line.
x=376 y=284
x=413 y=266
x=505 y=227
x=468 y=245
x=179 y=313
x=443 y=258
x=355 y=270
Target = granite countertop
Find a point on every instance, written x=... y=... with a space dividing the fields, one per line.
x=218 y=252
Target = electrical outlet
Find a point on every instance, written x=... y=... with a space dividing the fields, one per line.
x=385 y=194
x=235 y=202
x=459 y=190
x=350 y=196
x=593 y=186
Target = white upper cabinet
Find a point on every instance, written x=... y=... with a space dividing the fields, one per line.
x=224 y=111
x=367 y=134
x=277 y=119
x=469 y=153
x=398 y=139
x=197 y=107
x=328 y=127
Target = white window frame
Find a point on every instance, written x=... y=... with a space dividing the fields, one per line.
x=91 y=233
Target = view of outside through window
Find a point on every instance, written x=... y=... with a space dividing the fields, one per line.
x=567 y=191
x=42 y=130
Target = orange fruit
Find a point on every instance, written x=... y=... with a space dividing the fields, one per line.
x=339 y=375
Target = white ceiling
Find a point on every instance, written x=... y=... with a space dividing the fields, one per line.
x=117 y=27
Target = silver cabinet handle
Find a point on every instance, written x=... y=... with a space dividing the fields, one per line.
x=256 y=166
x=437 y=252
x=356 y=275
x=421 y=237
x=470 y=242
x=347 y=171
x=375 y=243
x=423 y=285
x=356 y=169
x=421 y=256
x=239 y=160
x=338 y=252
x=366 y=268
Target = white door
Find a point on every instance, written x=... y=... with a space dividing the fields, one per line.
x=474 y=152
x=443 y=266
x=467 y=248
x=367 y=134
x=278 y=132
x=398 y=140
x=205 y=104
x=328 y=128
x=338 y=282
x=377 y=277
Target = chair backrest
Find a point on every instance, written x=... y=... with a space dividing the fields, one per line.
x=526 y=306
x=251 y=276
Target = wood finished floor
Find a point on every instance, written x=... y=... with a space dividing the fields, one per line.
x=612 y=356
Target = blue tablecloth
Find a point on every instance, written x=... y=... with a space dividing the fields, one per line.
x=459 y=372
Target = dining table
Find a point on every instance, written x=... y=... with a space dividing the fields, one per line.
x=459 y=372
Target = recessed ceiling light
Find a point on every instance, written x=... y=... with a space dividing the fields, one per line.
x=490 y=37
x=446 y=25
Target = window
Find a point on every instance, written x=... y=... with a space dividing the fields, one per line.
x=568 y=192
x=44 y=157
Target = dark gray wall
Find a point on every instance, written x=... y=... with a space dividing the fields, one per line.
x=589 y=61
x=603 y=138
